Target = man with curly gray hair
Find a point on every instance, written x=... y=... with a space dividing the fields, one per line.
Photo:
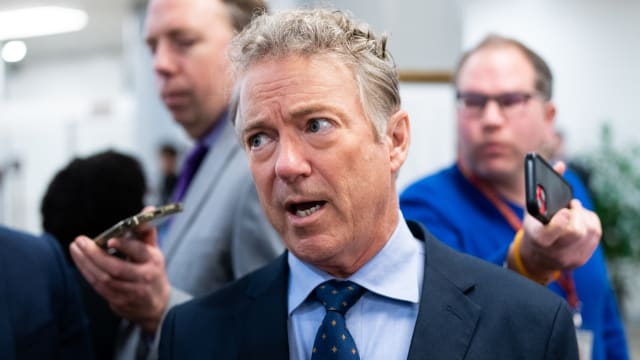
x=318 y=113
x=353 y=44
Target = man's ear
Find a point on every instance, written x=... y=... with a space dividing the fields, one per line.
x=550 y=112
x=398 y=136
x=549 y=120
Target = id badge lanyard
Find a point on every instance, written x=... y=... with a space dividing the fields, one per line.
x=565 y=280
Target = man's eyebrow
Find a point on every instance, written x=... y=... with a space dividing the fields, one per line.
x=172 y=34
x=302 y=112
x=252 y=126
x=305 y=111
x=150 y=39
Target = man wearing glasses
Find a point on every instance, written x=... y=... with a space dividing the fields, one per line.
x=505 y=110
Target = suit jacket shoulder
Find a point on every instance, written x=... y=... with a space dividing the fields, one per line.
x=244 y=320
x=39 y=301
x=474 y=309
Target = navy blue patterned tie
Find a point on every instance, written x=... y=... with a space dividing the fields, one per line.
x=333 y=340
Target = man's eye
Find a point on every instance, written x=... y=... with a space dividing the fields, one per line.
x=152 y=47
x=512 y=99
x=317 y=125
x=257 y=140
x=473 y=101
x=184 y=43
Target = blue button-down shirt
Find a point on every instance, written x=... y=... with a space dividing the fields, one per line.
x=382 y=321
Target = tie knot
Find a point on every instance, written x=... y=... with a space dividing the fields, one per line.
x=196 y=154
x=338 y=296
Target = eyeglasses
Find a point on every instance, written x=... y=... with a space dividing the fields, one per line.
x=511 y=104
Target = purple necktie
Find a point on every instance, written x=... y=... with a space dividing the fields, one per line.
x=191 y=165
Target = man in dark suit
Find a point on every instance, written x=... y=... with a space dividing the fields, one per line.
x=41 y=315
x=318 y=112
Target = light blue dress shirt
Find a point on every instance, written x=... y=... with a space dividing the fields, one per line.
x=382 y=321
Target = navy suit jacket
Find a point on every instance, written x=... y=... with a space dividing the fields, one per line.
x=40 y=312
x=469 y=309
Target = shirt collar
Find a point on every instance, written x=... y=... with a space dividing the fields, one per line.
x=210 y=137
x=394 y=272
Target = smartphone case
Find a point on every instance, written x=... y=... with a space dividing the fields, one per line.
x=129 y=223
x=546 y=190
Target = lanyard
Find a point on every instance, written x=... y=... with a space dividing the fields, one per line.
x=565 y=281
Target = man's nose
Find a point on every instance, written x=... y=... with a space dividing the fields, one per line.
x=164 y=62
x=291 y=162
x=492 y=114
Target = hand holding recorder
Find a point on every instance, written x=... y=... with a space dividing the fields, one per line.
x=137 y=288
x=558 y=233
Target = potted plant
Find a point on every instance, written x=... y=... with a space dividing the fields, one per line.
x=614 y=182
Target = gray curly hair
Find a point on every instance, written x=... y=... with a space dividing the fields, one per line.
x=331 y=32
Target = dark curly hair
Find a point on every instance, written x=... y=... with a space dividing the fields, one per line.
x=91 y=194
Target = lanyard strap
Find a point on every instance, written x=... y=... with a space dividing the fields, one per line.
x=565 y=280
x=568 y=284
x=507 y=212
x=490 y=194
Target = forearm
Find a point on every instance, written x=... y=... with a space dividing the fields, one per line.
x=525 y=267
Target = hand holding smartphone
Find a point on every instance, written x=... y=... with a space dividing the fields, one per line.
x=546 y=190
x=130 y=223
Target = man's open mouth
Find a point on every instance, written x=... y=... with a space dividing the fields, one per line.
x=305 y=209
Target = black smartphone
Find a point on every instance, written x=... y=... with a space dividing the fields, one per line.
x=128 y=224
x=546 y=190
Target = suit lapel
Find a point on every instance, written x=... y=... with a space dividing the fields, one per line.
x=210 y=172
x=447 y=317
x=265 y=322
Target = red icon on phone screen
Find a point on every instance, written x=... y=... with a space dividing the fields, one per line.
x=541 y=197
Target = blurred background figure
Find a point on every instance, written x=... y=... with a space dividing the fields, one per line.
x=168 y=155
x=88 y=196
x=8 y=168
x=477 y=204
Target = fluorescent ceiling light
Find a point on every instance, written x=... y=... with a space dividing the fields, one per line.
x=14 y=51
x=39 y=21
